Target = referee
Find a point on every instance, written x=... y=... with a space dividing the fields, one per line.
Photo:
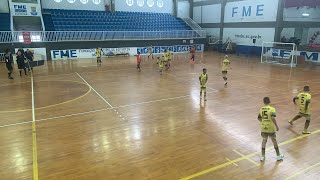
x=21 y=63
x=9 y=61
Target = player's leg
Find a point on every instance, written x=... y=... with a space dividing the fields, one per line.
x=201 y=88
x=139 y=67
x=25 y=71
x=276 y=147
x=10 y=70
x=224 y=76
x=306 y=124
x=205 y=93
x=295 y=118
x=263 y=146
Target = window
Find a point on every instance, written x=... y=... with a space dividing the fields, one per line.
x=26 y=1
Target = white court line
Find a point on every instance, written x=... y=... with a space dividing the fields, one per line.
x=101 y=97
x=98 y=110
x=34 y=135
x=95 y=91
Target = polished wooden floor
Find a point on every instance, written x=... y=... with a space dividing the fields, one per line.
x=130 y=125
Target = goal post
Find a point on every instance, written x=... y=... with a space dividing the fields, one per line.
x=279 y=53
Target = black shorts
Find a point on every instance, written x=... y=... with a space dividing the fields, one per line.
x=9 y=67
x=224 y=72
x=21 y=65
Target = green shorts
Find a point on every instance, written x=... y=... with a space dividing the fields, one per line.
x=266 y=135
x=224 y=72
x=307 y=116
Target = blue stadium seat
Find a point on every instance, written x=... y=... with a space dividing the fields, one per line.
x=84 y=20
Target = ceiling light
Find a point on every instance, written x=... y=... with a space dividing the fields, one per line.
x=305 y=14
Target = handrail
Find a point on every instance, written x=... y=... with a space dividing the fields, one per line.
x=192 y=23
x=60 y=36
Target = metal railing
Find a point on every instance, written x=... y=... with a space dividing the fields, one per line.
x=2 y=57
x=193 y=25
x=61 y=36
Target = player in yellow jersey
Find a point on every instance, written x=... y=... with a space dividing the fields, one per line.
x=203 y=78
x=304 y=99
x=166 y=59
x=225 y=68
x=169 y=58
x=150 y=52
x=269 y=127
x=98 y=54
x=161 y=64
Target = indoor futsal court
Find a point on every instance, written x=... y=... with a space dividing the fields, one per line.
x=113 y=122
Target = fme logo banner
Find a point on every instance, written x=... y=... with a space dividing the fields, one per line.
x=286 y=54
x=251 y=11
x=20 y=10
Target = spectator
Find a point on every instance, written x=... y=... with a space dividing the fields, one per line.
x=283 y=39
x=9 y=61
x=21 y=63
x=29 y=56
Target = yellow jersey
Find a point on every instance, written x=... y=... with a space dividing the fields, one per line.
x=170 y=55
x=203 y=80
x=160 y=63
x=98 y=52
x=303 y=98
x=165 y=56
x=266 y=113
x=225 y=65
x=150 y=50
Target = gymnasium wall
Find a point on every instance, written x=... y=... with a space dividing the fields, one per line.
x=287 y=32
x=213 y=32
x=4 y=6
x=94 y=5
x=183 y=8
x=207 y=14
x=295 y=14
x=245 y=36
x=156 y=6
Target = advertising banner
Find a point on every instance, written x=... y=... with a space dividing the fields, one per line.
x=26 y=37
x=127 y=51
x=245 y=36
x=25 y=9
x=251 y=11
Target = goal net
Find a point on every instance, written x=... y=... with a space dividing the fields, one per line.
x=279 y=53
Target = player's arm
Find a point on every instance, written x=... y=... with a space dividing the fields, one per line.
x=294 y=99
x=259 y=117
x=273 y=118
x=207 y=78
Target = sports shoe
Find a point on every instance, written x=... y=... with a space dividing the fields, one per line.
x=306 y=132
x=262 y=158
x=10 y=77
x=291 y=123
x=280 y=158
x=226 y=83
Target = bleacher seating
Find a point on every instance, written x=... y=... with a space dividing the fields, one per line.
x=83 y=20
x=5 y=22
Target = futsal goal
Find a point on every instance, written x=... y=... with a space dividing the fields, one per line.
x=279 y=53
